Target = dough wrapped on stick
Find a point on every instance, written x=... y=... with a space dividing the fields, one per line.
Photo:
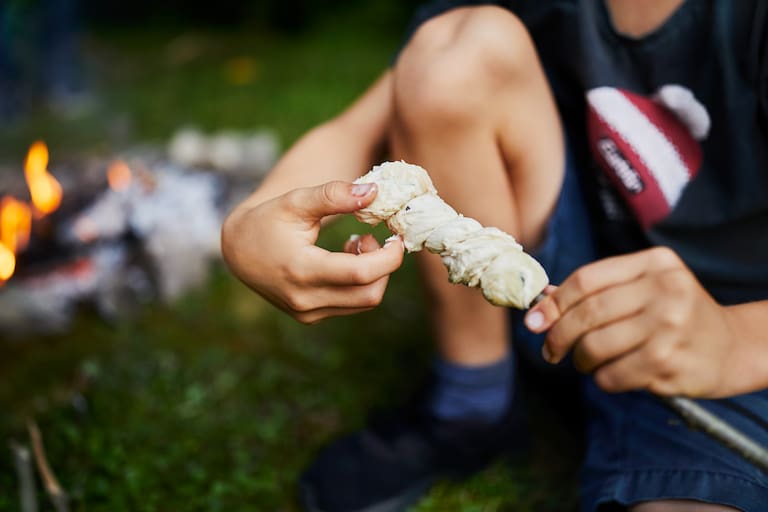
x=474 y=255
x=418 y=219
x=398 y=183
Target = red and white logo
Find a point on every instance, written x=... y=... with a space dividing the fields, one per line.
x=647 y=146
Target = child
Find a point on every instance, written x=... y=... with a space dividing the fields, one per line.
x=620 y=140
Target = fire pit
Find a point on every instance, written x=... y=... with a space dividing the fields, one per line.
x=111 y=234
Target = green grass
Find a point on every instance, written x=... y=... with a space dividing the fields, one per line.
x=217 y=402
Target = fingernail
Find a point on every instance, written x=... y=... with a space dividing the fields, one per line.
x=534 y=320
x=361 y=189
x=355 y=238
x=392 y=239
x=546 y=354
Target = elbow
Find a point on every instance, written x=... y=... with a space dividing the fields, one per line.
x=228 y=238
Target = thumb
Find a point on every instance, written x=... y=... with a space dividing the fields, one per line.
x=314 y=203
x=544 y=314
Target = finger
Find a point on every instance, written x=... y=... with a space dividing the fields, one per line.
x=314 y=203
x=534 y=319
x=317 y=315
x=607 y=343
x=368 y=243
x=357 y=244
x=343 y=301
x=598 y=276
x=322 y=268
x=352 y=245
x=647 y=367
x=596 y=310
x=365 y=296
x=540 y=317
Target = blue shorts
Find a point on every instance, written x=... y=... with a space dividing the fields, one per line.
x=637 y=449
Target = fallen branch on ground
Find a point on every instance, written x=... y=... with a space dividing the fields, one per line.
x=55 y=492
x=23 y=463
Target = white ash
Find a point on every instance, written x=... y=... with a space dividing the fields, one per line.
x=226 y=151
x=176 y=217
x=188 y=147
x=237 y=153
x=46 y=303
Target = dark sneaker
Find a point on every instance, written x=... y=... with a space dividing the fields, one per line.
x=391 y=463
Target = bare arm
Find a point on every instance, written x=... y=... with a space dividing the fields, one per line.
x=749 y=359
x=340 y=149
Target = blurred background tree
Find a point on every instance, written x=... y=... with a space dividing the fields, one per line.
x=92 y=63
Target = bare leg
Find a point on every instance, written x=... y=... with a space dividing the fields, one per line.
x=680 y=506
x=473 y=107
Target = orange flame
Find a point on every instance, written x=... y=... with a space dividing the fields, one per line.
x=15 y=224
x=15 y=227
x=16 y=216
x=43 y=187
x=7 y=263
x=118 y=175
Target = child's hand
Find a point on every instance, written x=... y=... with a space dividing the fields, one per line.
x=271 y=248
x=641 y=321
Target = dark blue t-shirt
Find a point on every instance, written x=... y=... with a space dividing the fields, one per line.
x=667 y=130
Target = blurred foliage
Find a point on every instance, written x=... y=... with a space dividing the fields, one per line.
x=148 y=80
x=280 y=15
x=217 y=402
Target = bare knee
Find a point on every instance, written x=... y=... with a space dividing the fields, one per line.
x=456 y=62
x=680 y=506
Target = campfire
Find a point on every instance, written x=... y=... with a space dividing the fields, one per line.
x=16 y=215
x=15 y=227
x=111 y=233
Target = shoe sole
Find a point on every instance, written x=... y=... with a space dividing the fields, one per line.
x=398 y=503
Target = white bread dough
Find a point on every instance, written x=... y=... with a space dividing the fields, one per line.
x=398 y=183
x=474 y=255
x=419 y=218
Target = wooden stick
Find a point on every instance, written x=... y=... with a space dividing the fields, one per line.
x=699 y=418
x=23 y=464
x=55 y=492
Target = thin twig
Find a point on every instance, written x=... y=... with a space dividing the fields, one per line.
x=24 y=471
x=698 y=417
x=55 y=492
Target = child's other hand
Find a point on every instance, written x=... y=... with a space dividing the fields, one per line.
x=640 y=321
x=271 y=248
